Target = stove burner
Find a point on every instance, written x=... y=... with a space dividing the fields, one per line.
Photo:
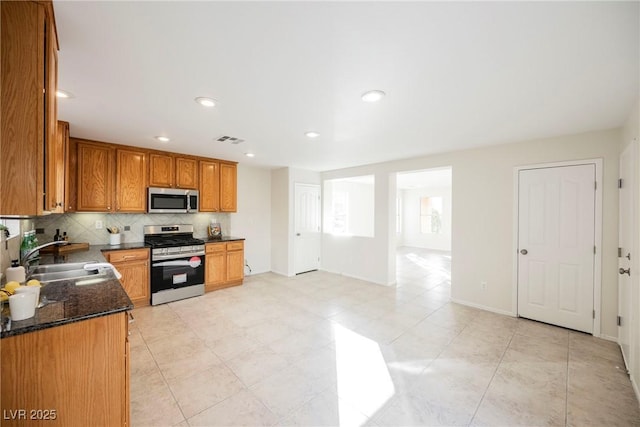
x=167 y=236
x=165 y=242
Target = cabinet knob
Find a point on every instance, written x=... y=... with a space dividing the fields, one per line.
x=108 y=208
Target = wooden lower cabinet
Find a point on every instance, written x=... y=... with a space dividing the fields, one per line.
x=224 y=265
x=70 y=375
x=133 y=264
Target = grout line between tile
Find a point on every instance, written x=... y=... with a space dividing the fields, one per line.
x=491 y=380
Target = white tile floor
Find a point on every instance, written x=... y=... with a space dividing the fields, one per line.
x=325 y=350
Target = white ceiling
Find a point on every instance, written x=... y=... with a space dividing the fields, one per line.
x=457 y=75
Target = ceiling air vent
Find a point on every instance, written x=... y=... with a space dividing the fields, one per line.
x=230 y=139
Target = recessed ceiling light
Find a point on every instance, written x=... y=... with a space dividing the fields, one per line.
x=163 y=138
x=63 y=94
x=373 y=96
x=249 y=154
x=206 y=102
x=312 y=134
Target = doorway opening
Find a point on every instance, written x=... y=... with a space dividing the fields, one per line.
x=423 y=231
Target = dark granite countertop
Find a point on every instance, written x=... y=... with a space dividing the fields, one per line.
x=223 y=239
x=71 y=301
x=75 y=299
x=94 y=253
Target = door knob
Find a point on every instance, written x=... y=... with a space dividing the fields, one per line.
x=623 y=271
x=524 y=251
x=297 y=234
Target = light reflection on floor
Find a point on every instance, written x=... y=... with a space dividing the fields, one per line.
x=361 y=373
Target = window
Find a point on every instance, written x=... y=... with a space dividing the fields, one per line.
x=430 y=215
x=340 y=212
x=13 y=225
x=349 y=206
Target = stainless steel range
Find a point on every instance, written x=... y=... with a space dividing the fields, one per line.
x=177 y=262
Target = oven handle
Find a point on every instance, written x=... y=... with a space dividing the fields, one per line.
x=175 y=256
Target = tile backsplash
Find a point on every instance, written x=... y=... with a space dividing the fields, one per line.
x=81 y=227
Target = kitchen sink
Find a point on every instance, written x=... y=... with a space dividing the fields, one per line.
x=62 y=275
x=54 y=268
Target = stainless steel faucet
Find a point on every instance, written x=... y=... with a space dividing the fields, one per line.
x=25 y=259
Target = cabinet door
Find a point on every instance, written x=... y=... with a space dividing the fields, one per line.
x=135 y=280
x=235 y=266
x=209 y=186
x=71 y=175
x=215 y=270
x=228 y=187
x=54 y=154
x=131 y=181
x=56 y=157
x=186 y=173
x=95 y=177
x=24 y=127
x=77 y=369
x=160 y=170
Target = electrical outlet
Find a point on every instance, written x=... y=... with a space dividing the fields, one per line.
x=98 y=225
x=483 y=285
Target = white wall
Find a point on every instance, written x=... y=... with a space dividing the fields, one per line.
x=411 y=231
x=482 y=239
x=253 y=219
x=280 y=221
x=365 y=257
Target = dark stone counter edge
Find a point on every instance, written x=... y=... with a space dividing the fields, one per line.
x=40 y=327
x=223 y=239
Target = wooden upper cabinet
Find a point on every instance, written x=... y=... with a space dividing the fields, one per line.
x=95 y=177
x=71 y=175
x=56 y=165
x=160 y=170
x=186 y=173
x=228 y=187
x=28 y=62
x=209 y=186
x=131 y=181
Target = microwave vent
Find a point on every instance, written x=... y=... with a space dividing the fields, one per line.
x=230 y=139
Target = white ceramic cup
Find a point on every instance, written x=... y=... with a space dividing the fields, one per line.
x=22 y=305
x=115 y=239
x=30 y=289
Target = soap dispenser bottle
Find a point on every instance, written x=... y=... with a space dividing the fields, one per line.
x=16 y=272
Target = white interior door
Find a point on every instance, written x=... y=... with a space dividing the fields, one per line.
x=626 y=251
x=307 y=227
x=556 y=241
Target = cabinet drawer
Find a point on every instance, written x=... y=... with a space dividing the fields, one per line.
x=211 y=248
x=128 y=255
x=235 y=246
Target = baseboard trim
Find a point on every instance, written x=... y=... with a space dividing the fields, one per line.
x=483 y=307
x=280 y=273
x=357 y=277
x=608 y=338
x=635 y=388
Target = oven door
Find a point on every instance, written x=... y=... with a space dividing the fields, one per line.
x=177 y=273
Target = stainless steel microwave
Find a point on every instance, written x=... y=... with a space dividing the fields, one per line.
x=172 y=200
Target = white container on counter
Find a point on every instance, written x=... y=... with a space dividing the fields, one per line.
x=115 y=239
x=22 y=306
x=15 y=273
